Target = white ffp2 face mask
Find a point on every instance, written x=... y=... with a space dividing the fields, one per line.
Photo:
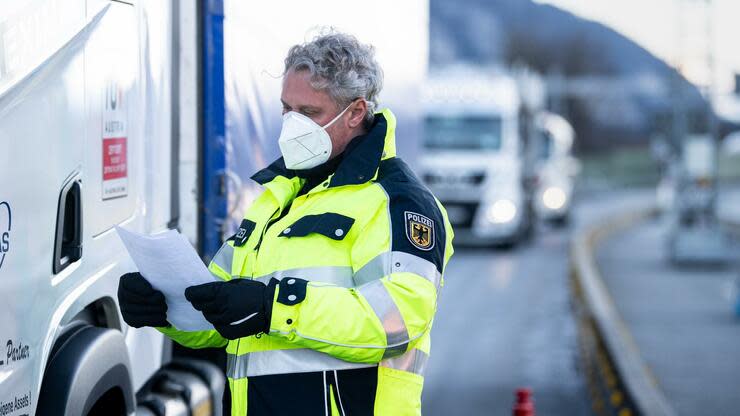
x=303 y=143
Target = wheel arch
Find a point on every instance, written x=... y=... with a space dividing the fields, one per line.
x=85 y=363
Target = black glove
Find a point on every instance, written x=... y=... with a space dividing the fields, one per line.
x=141 y=304
x=237 y=308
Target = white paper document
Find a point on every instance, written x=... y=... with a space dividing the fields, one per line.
x=170 y=264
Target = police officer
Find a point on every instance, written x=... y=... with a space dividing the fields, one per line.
x=330 y=284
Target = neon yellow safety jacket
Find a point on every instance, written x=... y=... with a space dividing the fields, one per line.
x=372 y=242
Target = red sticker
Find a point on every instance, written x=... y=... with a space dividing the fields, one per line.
x=114 y=158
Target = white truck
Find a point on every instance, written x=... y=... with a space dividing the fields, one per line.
x=555 y=168
x=92 y=135
x=140 y=114
x=476 y=157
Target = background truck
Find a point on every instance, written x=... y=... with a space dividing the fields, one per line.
x=140 y=114
x=555 y=167
x=478 y=124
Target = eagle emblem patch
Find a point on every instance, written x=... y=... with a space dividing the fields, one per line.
x=419 y=230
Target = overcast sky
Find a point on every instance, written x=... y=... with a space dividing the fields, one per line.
x=655 y=25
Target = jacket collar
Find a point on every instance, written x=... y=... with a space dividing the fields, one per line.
x=361 y=158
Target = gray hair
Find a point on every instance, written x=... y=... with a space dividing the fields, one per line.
x=342 y=66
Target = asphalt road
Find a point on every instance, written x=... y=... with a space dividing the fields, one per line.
x=681 y=318
x=504 y=321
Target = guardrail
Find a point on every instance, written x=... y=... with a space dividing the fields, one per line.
x=619 y=382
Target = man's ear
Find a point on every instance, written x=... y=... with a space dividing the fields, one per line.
x=357 y=113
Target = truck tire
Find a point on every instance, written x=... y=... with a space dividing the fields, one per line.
x=181 y=388
x=88 y=373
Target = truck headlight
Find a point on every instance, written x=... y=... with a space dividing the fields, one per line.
x=554 y=198
x=501 y=211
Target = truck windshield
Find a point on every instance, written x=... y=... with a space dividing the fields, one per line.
x=464 y=133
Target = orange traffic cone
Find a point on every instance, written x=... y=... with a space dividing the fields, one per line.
x=524 y=405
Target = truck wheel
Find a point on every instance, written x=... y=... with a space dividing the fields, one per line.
x=88 y=373
x=183 y=386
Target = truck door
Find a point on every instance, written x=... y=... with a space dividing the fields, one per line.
x=41 y=153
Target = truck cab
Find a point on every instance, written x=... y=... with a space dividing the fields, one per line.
x=474 y=154
x=88 y=142
x=555 y=168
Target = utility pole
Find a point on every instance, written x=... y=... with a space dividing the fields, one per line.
x=695 y=235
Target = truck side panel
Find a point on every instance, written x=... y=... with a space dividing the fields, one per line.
x=74 y=109
x=42 y=130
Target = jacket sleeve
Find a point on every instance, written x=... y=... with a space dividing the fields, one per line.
x=398 y=260
x=220 y=266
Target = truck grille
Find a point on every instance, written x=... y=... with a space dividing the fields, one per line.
x=461 y=214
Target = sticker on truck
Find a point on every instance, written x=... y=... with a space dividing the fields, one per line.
x=15 y=403
x=115 y=138
x=16 y=353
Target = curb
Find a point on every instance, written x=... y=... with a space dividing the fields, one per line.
x=618 y=381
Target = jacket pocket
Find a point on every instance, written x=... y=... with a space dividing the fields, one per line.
x=329 y=224
x=398 y=393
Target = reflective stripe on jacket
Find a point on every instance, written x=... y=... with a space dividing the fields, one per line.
x=372 y=243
